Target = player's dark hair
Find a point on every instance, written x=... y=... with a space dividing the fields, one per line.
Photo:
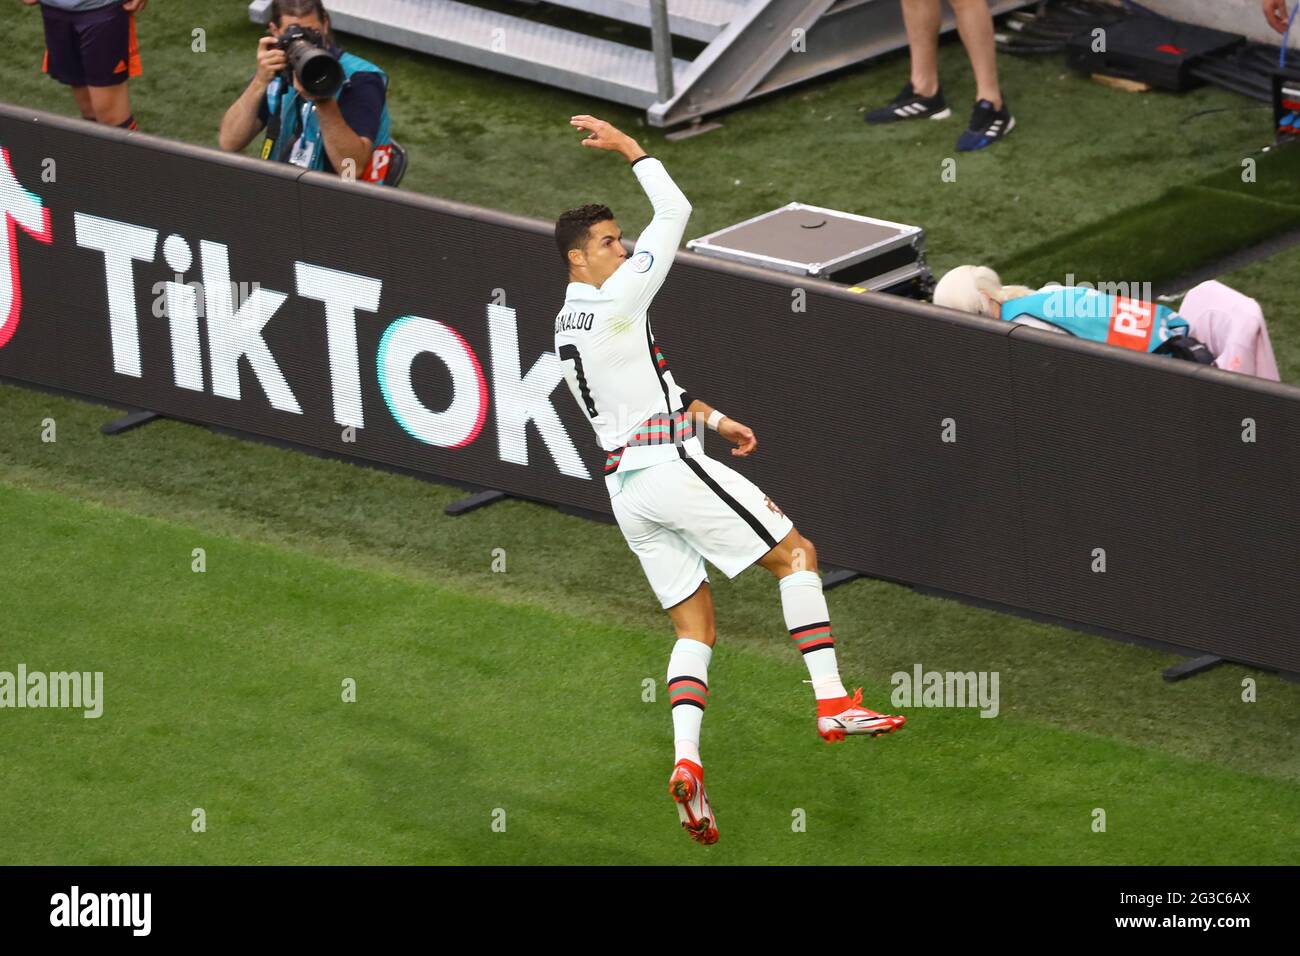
x=574 y=226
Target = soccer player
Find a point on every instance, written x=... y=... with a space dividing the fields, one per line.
x=90 y=46
x=675 y=506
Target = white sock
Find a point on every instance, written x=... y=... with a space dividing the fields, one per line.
x=688 y=694
x=809 y=622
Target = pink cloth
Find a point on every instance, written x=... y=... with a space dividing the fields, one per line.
x=1232 y=327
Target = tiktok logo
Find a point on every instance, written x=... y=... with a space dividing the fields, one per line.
x=19 y=207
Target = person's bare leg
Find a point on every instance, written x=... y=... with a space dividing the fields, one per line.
x=975 y=25
x=82 y=95
x=793 y=553
x=112 y=105
x=693 y=618
x=921 y=18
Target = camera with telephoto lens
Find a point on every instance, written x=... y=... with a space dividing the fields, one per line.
x=318 y=71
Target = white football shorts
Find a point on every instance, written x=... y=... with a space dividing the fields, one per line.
x=679 y=513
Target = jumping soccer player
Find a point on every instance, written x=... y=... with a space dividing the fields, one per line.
x=675 y=506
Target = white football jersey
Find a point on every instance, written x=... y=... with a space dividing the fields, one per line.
x=615 y=371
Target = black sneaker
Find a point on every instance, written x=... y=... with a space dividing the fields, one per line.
x=987 y=126
x=908 y=105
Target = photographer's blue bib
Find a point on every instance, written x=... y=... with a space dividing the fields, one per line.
x=1100 y=316
x=299 y=140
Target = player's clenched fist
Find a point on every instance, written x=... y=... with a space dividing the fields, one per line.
x=742 y=436
x=602 y=135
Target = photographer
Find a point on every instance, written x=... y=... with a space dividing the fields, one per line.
x=340 y=130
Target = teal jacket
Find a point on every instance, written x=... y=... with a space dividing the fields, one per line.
x=298 y=118
x=1099 y=316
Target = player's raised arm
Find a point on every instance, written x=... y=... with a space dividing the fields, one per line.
x=639 y=278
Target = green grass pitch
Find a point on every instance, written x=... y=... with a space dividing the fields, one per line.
x=482 y=693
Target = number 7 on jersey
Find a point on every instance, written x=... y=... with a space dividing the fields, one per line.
x=570 y=351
